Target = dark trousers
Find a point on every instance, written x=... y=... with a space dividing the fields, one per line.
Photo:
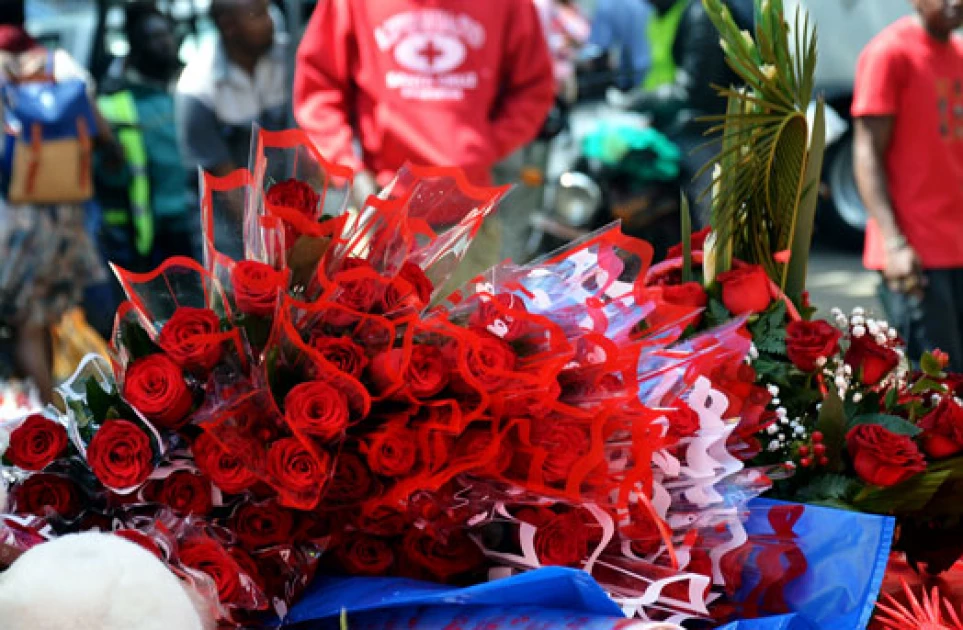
x=936 y=321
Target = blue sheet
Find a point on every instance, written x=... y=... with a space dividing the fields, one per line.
x=846 y=554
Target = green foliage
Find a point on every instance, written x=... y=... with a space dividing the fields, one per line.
x=829 y=490
x=908 y=497
x=770 y=160
x=888 y=422
x=716 y=313
x=769 y=331
x=686 y=239
x=136 y=340
x=832 y=423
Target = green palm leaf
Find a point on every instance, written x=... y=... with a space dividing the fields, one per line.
x=769 y=161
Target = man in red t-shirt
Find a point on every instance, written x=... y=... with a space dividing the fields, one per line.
x=908 y=111
x=441 y=83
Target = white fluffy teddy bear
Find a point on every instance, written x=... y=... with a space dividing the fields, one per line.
x=95 y=581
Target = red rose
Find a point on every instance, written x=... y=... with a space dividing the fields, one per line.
x=224 y=469
x=190 y=338
x=411 y=288
x=426 y=373
x=42 y=492
x=476 y=445
x=943 y=429
x=317 y=409
x=248 y=567
x=806 y=342
x=36 y=443
x=683 y=422
x=562 y=541
x=745 y=290
x=444 y=559
x=343 y=353
x=155 y=387
x=256 y=287
x=392 y=450
x=383 y=521
x=186 y=493
x=295 y=467
x=869 y=360
x=415 y=276
x=259 y=525
x=360 y=554
x=360 y=288
x=351 y=482
x=686 y=294
x=208 y=556
x=697 y=239
x=642 y=532
x=494 y=316
x=141 y=539
x=491 y=361
x=120 y=454
x=881 y=457
x=566 y=442
x=293 y=193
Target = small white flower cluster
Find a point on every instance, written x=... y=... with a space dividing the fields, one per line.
x=753 y=353
x=784 y=430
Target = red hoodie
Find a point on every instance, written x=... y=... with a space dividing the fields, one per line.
x=435 y=82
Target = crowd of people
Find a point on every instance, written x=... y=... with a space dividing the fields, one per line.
x=377 y=84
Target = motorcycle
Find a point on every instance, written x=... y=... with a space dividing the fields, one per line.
x=618 y=169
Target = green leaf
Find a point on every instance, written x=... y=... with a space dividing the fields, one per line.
x=716 y=313
x=136 y=340
x=910 y=496
x=836 y=488
x=892 y=398
x=772 y=371
x=99 y=401
x=769 y=331
x=931 y=366
x=927 y=385
x=888 y=422
x=832 y=424
x=686 y=218
x=805 y=218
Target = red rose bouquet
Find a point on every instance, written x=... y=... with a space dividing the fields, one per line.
x=309 y=399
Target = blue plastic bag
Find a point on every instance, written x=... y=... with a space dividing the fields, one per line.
x=846 y=552
x=846 y=556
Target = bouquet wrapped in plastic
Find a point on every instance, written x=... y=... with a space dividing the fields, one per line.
x=310 y=398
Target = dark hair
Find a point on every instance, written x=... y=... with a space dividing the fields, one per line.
x=135 y=14
x=12 y=12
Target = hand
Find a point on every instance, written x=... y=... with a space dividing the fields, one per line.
x=364 y=186
x=903 y=271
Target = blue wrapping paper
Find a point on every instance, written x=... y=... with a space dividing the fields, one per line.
x=846 y=554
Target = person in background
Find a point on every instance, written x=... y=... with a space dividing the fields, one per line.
x=239 y=82
x=622 y=25
x=566 y=31
x=146 y=217
x=445 y=83
x=678 y=91
x=908 y=112
x=47 y=258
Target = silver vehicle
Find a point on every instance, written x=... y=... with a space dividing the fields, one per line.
x=843 y=27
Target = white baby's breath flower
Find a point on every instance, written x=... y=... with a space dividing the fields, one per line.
x=857 y=397
x=859 y=311
x=821 y=361
x=857 y=320
x=859 y=331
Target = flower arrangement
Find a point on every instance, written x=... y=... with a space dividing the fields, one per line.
x=320 y=405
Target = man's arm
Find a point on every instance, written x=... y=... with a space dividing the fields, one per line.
x=198 y=136
x=528 y=83
x=323 y=88
x=872 y=139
